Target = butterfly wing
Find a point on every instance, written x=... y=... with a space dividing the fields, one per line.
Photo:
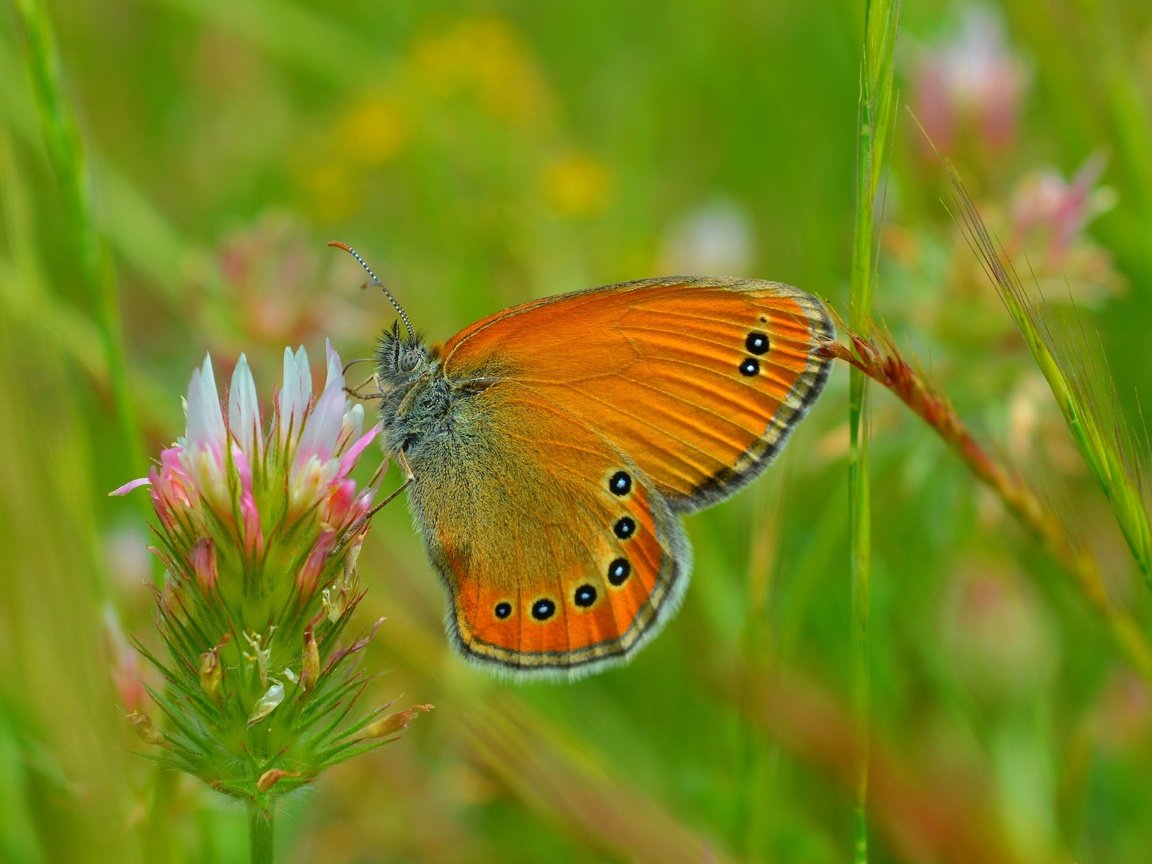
x=698 y=381
x=558 y=554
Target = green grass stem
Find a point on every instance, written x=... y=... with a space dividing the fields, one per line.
x=1128 y=110
x=261 y=833
x=875 y=120
x=66 y=154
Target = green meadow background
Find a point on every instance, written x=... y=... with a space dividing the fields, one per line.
x=170 y=171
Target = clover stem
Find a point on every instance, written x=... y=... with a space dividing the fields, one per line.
x=261 y=832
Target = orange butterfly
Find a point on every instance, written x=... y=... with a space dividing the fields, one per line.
x=550 y=447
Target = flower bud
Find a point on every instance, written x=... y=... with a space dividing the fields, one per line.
x=395 y=723
x=203 y=560
x=145 y=728
x=211 y=672
x=268 y=703
x=273 y=776
x=309 y=661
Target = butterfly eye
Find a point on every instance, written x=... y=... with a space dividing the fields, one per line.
x=408 y=360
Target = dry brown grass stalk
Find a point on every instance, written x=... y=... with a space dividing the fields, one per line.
x=878 y=357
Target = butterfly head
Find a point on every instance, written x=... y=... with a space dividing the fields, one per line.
x=415 y=402
x=401 y=360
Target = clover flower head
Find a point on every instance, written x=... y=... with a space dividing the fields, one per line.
x=259 y=525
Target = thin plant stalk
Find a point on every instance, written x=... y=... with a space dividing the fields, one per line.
x=67 y=156
x=1079 y=379
x=261 y=833
x=880 y=360
x=875 y=119
x=1126 y=104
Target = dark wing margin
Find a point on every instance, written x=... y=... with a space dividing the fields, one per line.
x=805 y=390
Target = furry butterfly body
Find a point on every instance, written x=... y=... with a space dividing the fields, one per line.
x=552 y=446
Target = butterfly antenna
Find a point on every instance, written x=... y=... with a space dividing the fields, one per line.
x=376 y=281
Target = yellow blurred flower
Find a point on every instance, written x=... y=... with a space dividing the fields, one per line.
x=373 y=131
x=484 y=58
x=331 y=188
x=576 y=185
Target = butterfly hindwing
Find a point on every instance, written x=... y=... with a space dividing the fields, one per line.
x=558 y=554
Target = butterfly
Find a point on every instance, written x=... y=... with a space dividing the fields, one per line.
x=551 y=448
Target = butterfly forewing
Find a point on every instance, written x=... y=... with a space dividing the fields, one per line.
x=698 y=381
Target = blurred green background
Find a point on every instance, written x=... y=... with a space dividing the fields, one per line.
x=173 y=197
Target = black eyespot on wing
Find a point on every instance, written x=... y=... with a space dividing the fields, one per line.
x=543 y=609
x=757 y=342
x=503 y=609
x=750 y=367
x=584 y=596
x=620 y=484
x=625 y=527
x=619 y=571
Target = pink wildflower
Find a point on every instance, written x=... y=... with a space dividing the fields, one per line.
x=259 y=528
x=970 y=84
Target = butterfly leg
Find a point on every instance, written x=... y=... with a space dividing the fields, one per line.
x=408 y=478
x=371 y=379
x=402 y=460
x=391 y=496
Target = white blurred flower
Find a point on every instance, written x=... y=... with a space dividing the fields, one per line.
x=715 y=239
